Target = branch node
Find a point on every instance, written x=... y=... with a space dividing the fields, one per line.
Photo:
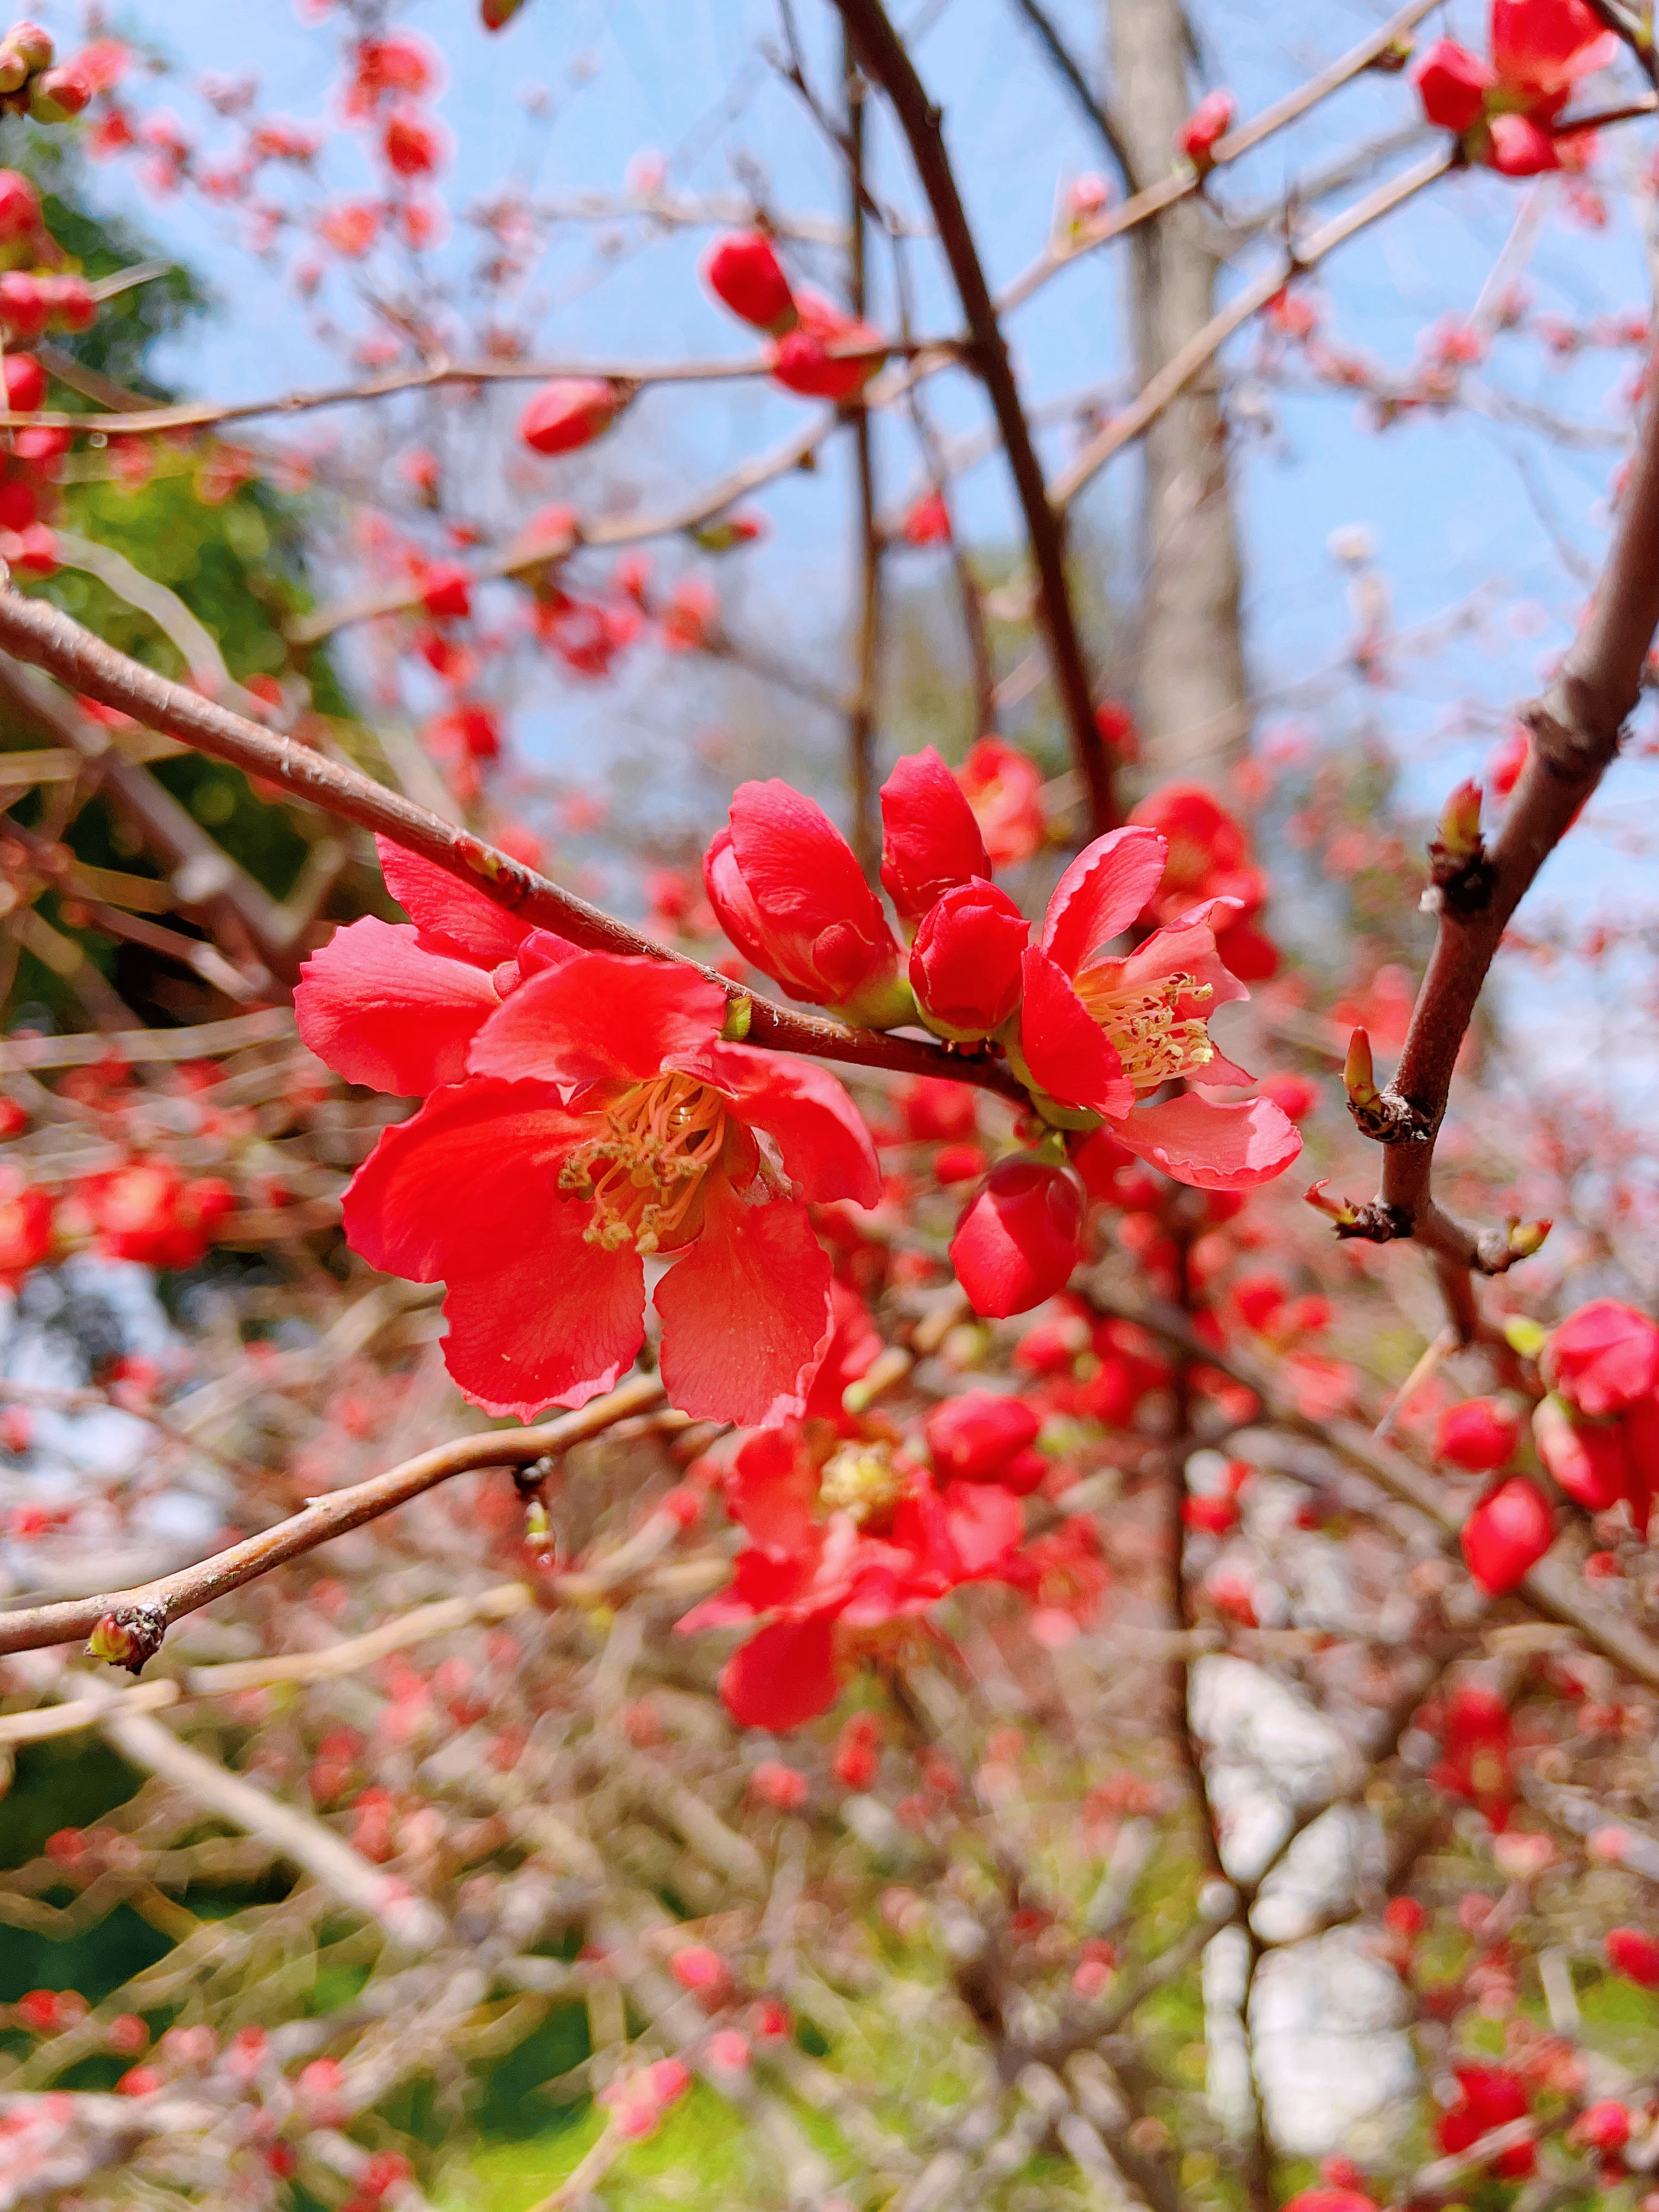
x=1562 y=743
x=1376 y=1222
x=130 y=1637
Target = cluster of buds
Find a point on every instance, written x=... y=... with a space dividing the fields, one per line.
x=1598 y=1431
x=812 y=340
x=1504 y=111
x=30 y=85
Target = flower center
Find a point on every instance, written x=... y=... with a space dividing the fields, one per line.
x=861 y=1480
x=644 y=1175
x=1151 y=1025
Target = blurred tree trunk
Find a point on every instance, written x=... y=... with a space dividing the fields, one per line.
x=1192 y=696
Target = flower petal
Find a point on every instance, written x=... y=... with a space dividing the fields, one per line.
x=782 y=1676
x=466 y=1192
x=377 y=1008
x=820 y=1133
x=1101 y=892
x=601 y=1016
x=745 y=1314
x=1188 y=947
x=1210 y=1146
x=798 y=868
x=931 y=838
x=1068 y=1054
x=451 y=916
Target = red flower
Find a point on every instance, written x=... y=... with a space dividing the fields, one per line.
x=1209 y=858
x=802 y=362
x=1332 y=2199
x=1097 y=1033
x=986 y=1437
x=569 y=413
x=1602 y=1358
x=1587 y=1462
x=1541 y=48
x=1635 y=1955
x=1477 y=1740
x=931 y=842
x=149 y=1210
x=965 y=963
x=398 y=1007
x=791 y=898
x=744 y=273
x=927 y=521
x=870 y=1541
x=604 y=1120
x=855 y=1344
x=1488 y=2097
x=1507 y=1533
x=1003 y=789
x=1452 y=84
x=446 y=589
x=1020 y=1237
x=1478 y=1436
x=413 y=144
x=26 y=1218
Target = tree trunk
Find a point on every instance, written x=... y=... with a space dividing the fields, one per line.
x=1192 y=702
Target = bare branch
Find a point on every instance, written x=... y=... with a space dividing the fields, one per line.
x=883 y=54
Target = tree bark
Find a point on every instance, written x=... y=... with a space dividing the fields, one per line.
x=1192 y=700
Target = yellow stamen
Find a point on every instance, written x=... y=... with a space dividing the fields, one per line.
x=1150 y=1025
x=861 y=1480
x=643 y=1178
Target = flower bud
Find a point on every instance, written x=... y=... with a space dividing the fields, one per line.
x=1586 y=1462
x=1208 y=123
x=1507 y=1533
x=26 y=382
x=1460 y=823
x=1634 y=1955
x=1452 y=84
x=965 y=963
x=1602 y=1358
x=1478 y=1436
x=23 y=306
x=1527 y=1237
x=59 y=95
x=973 y=1438
x=1359 y=1073
x=745 y=275
x=32 y=43
x=570 y=412
x=931 y=841
x=1020 y=1237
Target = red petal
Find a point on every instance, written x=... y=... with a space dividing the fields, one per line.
x=820 y=1133
x=772 y=1490
x=985 y=1523
x=1067 y=1052
x=467 y=1192
x=931 y=838
x=1101 y=892
x=1188 y=947
x=603 y=1015
x=377 y=1008
x=784 y=1675
x=450 y=914
x=1213 y=1146
x=745 y=1314
x=798 y=868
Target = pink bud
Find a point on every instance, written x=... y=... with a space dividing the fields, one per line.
x=26 y=382
x=1587 y=1463
x=965 y=963
x=1634 y=1955
x=19 y=208
x=973 y=1437
x=1478 y=1435
x=1209 y=123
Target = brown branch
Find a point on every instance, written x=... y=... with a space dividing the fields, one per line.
x=37 y=632
x=1576 y=730
x=861 y=717
x=150 y=1608
x=882 y=53
x=1178 y=371
x=1635 y=27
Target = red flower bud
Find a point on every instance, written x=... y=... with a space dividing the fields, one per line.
x=23 y=306
x=931 y=840
x=1634 y=1955
x=19 y=208
x=26 y=382
x=1520 y=147
x=1602 y=1358
x=965 y=963
x=448 y=592
x=1508 y=1532
x=1020 y=1237
x=569 y=413
x=59 y=93
x=927 y=521
x=973 y=1437
x=413 y=145
x=1605 y=2127
x=1587 y=1463
x=1209 y=123
x=1452 y=84
x=1478 y=1436
x=744 y=274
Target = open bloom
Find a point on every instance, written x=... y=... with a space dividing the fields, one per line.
x=604 y=1121
x=397 y=1005
x=1097 y=1034
x=861 y=1543
x=790 y=894
x=1209 y=858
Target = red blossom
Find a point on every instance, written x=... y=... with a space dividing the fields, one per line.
x=1488 y=2097
x=802 y=360
x=1635 y=1954
x=791 y=898
x=569 y=413
x=1203 y=130
x=1004 y=787
x=1507 y=1533
x=604 y=1120
x=931 y=840
x=1020 y=1237
x=965 y=962
x=1478 y=1436
x=1602 y=1358
x=25 y=1226
x=150 y=1211
x=985 y=1435
x=743 y=272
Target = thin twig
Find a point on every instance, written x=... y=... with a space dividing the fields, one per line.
x=861 y=718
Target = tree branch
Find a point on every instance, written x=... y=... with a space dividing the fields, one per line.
x=36 y=632
x=150 y=1608
x=1576 y=729
x=883 y=55
x=861 y=718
